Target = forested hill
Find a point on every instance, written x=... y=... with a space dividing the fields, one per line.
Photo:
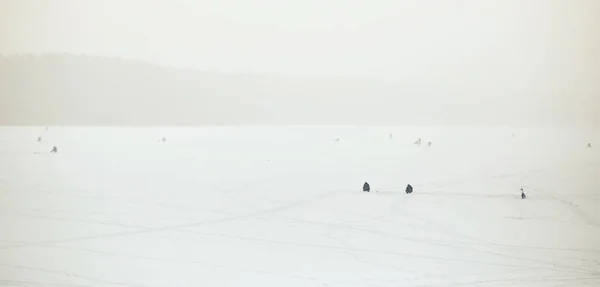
x=64 y=89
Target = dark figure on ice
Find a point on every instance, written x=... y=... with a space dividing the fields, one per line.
x=163 y=140
x=418 y=142
x=589 y=145
x=337 y=139
x=39 y=139
x=366 y=187
x=429 y=144
x=409 y=189
x=523 y=196
x=54 y=150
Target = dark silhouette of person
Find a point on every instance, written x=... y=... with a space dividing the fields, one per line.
x=39 y=139
x=429 y=144
x=589 y=144
x=54 y=149
x=523 y=196
x=366 y=187
x=409 y=189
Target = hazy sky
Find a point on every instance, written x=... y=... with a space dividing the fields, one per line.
x=425 y=40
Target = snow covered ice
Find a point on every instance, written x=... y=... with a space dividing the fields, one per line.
x=283 y=206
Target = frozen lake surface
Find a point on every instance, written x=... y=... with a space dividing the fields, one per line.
x=283 y=206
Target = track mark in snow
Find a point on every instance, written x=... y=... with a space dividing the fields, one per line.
x=170 y=227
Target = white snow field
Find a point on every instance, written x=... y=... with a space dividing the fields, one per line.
x=283 y=206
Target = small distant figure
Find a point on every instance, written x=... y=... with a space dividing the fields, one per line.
x=589 y=145
x=429 y=144
x=39 y=139
x=418 y=142
x=54 y=150
x=337 y=140
x=391 y=136
x=523 y=196
x=163 y=139
x=366 y=187
x=409 y=189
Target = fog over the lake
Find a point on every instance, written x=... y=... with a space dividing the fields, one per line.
x=300 y=62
